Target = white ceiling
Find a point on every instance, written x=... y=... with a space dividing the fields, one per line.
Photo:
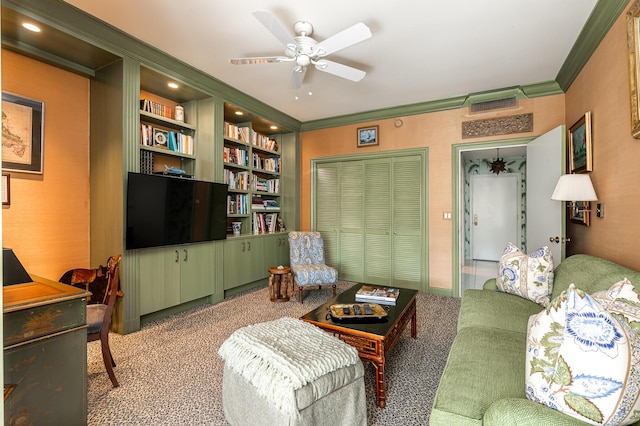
x=421 y=50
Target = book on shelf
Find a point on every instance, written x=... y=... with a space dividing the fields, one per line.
x=265 y=222
x=156 y=108
x=384 y=295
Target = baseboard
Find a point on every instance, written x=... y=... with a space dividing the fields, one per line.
x=440 y=291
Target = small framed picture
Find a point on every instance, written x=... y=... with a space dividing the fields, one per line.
x=160 y=138
x=368 y=136
x=22 y=134
x=6 y=193
x=582 y=213
x=580 y=147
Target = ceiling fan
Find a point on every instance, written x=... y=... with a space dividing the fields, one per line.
x=305 y=51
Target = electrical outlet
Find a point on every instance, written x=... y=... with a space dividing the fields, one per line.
x=599 y=210
x=446 y=215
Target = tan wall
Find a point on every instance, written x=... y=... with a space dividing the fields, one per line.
x=47 y=223
x=603 y=88
x=438 y=131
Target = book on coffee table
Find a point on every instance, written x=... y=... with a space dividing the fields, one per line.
x=384 y=295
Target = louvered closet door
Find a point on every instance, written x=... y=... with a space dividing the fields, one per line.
x=327 y=207
x=377 y=217
x=351 y=220
x=407 y=224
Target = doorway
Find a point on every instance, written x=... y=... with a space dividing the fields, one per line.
x=539 y=161
x=491 y=209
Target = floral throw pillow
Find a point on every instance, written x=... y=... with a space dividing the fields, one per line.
x=621 y=299
x=582 y=360
x=529 y=276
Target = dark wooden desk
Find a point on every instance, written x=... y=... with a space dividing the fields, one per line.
x=372 y=340
x=45 y=353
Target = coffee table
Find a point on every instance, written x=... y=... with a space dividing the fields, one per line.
x=373 y=340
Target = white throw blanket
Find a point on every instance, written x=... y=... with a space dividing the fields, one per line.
x=281 y=356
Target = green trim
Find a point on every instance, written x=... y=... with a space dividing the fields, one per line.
x=604 y=14
x=456 y=151
x=153 y=316
x=382 y=114
x=44 y=56
x=544 y=88
x=72 y=21
x=440 y=291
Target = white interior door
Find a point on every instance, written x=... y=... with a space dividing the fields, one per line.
x=495 y=214
x=545 y=161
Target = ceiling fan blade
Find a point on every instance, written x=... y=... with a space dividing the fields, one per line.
x=297 y=76
x=355 y=34
x=274 y=26
x=260 y=60
x=340 y=70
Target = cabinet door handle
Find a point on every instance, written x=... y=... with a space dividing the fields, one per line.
x=248 y=245
x=177 y=256
x=243 y=247
x=185 y=255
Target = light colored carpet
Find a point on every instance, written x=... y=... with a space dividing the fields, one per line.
x=170 y=373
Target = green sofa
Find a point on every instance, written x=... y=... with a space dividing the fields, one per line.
x=483 y=382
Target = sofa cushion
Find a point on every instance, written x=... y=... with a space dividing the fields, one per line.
x=590 y=273
x=580 y=361
x=493 y=309
x=484 y=365
x=529 y=276
x=621 y=299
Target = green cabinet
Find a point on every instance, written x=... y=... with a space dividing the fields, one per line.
x=276 y=250
x=173 y=275
x=247 y=259
x=372 y=215
x=243 y=261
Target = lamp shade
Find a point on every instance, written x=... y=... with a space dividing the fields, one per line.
x=12 y=270
x=574 y=187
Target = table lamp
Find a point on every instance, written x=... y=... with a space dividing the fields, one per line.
x=12 y=270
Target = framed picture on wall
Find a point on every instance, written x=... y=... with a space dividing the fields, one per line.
x=368 y=136
x=22 y=134
x=633 y=32
x=6 y=190
x=580 y=148
x=582 y=213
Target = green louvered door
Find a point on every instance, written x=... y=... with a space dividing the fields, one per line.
x=372 y=216
x=327 y=206
x=377 y=217
x=408 y=223
x=351 y=220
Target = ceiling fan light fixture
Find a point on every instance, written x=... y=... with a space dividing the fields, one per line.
x=305 y=50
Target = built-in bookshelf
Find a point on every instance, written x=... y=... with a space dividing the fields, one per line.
x=165 y=142
x=252 y=167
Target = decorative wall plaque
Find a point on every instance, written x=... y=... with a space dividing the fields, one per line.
x=497 y=126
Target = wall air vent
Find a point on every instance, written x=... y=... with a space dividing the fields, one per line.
x=494 y=104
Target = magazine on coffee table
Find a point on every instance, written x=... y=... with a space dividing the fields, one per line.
x=375 y=294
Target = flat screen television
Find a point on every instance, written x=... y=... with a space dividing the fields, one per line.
x=164 y=210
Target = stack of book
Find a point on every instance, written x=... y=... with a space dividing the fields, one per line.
x=373 y=294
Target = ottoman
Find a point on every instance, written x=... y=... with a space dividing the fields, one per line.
x=289 y=372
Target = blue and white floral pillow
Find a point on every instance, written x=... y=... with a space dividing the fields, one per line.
x=530 y=276
x=583 y=361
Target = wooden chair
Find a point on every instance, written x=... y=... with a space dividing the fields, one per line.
x=99 y=316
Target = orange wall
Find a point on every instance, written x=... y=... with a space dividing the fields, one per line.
x=438 y=131
x=47 y=223
x=603 y=88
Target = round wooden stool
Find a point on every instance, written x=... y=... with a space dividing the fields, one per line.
x=280 y=284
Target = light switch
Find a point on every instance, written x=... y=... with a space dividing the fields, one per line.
x=446 y=215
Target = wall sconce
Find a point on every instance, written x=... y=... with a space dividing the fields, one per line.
x=574 y=187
